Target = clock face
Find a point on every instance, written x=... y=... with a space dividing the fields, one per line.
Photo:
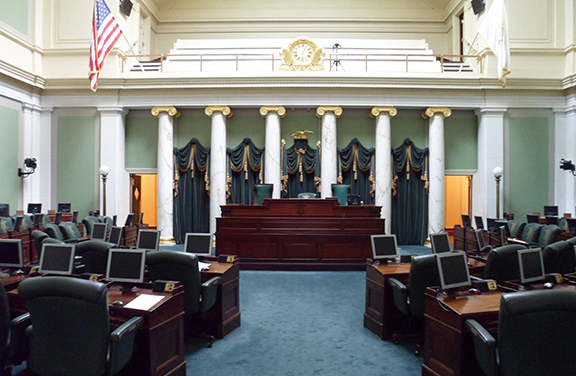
x=302 y=53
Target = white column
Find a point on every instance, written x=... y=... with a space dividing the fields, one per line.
x=273 y=150
x=564 y=148
x=436 y=207
x=383 y=162
x=112 y=152
x=490 y=155
x=329 y=162
x=165 y=171
x=217 y=160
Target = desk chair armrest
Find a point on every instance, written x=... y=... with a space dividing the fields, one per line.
x=486 y=249
x=19 y=347
x=70 y=241
x=476 y=279
x=484 y=348
x=400 y=294
x=122 y=344
x=209 y=290
x=518 y=241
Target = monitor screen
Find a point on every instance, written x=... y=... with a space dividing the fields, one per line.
x=115 y=235
x=453 y=270
x=492 y=225
x=141 y=220
x=384 y=247
x=571 y=225
x=466 y=221
x=199 y=244
x=99 y=231
x=18 y=223
x=34 y=208
x=148 y=239
x=440 y=242
x=479 y=222
x=4 y=210
x=532 y=218
x=11 y=253
x=75 y=216
x=64 y=207
x=531 y=265
x=551 y=211
x=58 y=218
x=129 y=219
x=38 y=220
x=126 y=265
x=503 y=238
x=57 y=258
x=114 y=219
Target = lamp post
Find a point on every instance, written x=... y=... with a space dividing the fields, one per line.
x=104 y=170
x=497 y=172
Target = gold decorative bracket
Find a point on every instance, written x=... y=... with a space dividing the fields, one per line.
x=225 y=110
x=171 y=110
x=337 y=110
x=281 y=111
x=380 y=110
x=431 y=111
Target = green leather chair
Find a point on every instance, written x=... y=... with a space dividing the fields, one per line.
x=531 y=233
x=571 y=241
x=107 y=220
x=262 y=191
x=13 y=340
x=502 y=263
x=88 y=222
x=559 y=257
x=563 y=224
x=70 y=231
x=6 y=225
x=548 y=235
x=410 y=300
x=516 y=227
x=536 y=335
x=94 y=255
x=54 y=232
x=70 y=335
x=340 y=191
x=38 y=237
x=307 y=195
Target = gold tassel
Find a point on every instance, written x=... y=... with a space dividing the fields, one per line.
x=355 y=171
x=408 y=169
x=245 y=170
x=300 y=170
x=394 y=185
x=260 y=174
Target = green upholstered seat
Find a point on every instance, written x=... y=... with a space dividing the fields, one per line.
x=548 y=235
x=502 y=263
x=27 y=223
x=54 y=232
x=563 y=224
x=536 y=335
x=38 y=237
x=88 y=222
x=107 y=220
x=307 y=195
x=340 y=191
x=572 y=240
x=516 y=227
x=559 y=257
x=69 y=231
x=6 y=225
x=263 y=191
x=531 y=233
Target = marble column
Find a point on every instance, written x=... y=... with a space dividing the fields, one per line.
x=565 y=148
x=165 y=172
x=273 y=149
x=383 y=162
x=490 y=155
x=329 y=162
x=112 y=153
x=436 y=207
x=219 y=114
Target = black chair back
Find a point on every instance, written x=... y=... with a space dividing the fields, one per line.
x=559 y=257
x=94 y=255
x=423 y=274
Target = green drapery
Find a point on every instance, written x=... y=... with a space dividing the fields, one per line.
x=300 y=169
x=410 y=193
x=191 y=188
x=245 y=167
x=355 y=168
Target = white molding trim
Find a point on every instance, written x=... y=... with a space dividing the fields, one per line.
x=141 y=170
x=460 y=172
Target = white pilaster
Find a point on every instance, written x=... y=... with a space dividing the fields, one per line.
x=564 y=148
x=217 y=160
x=112 y=152
x=436 y=196
x=273 y=150
x=329 y=162
x=165 y=171
x=383 y=162
x=490 y=155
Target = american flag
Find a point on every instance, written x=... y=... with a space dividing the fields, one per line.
x=105 y=34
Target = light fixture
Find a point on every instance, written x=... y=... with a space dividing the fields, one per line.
x=497 y=172
x=104 y=170
x=29 y=167
x=567 y=165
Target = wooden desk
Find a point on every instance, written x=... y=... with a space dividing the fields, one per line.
x=29 y=252
x=381 y=315
x=298 y=234
x=465 y=239
x=448 y=346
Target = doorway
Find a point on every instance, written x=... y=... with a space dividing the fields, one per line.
x=458 y=200
x=144 y=197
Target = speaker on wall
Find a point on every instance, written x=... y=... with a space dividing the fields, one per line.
x=126 y=6
x=478 y=6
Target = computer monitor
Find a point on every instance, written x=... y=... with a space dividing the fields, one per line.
x=99 y=231
x=38 y=220
x=115 y=236
x=129 y=219
x=198 y=243
x=453 y=270
x=75 y=216
x=57 y=258
x=58 y=218
x=503 y=237
x=114 y=220
x=531 y=265
x=440 y=242
x=64 y=207
x=4 y=210
x=34 y=208
x=11 y=253
x=18 y=223
x=384 y=247
x=148 y=239
x=571 y=225
x=141 y=219
x=552 y=220
x=503 y=223
x=126 y=266
x=492 y=225
x=532 y=218
x=466 y=221
x=479 y=222
x=551 y=211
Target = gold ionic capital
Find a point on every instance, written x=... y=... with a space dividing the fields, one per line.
x=280 y=110
x=170 y=110
x=431 y=111
x=337 y=110
x=378 y=110
x=225 y=110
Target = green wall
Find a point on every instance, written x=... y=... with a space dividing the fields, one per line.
x=249 y=124
x=141 y=142
x=15 y=14
x=528 y=174
x=297 y=122
x=76 y=162
x=192 y=125
x=412 y=127
x=10 y=182
x=461 y=143
x=355 y=125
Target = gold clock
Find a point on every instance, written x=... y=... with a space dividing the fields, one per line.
x=301 y=55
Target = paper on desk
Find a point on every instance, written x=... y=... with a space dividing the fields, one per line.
x=203 y=265
x=144 y=301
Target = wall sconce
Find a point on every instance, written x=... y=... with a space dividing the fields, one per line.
x=497 y=172
x=104 y=170
x=29 y=167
